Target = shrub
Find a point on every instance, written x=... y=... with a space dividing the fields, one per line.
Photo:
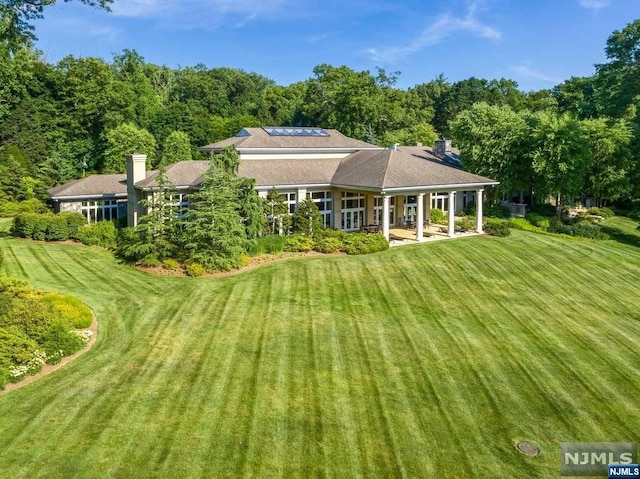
x=266 y=244
x=150 y=261
x=604 y=212
x=585 y=229
x=14 y=286
x=170 y=264
x=298 y=243
x=102 y=233
x=522 y=224
x=497 y=227
x=327 y=244
x=437 y=216
x=538 y=220
x=40 y=225
x=69 y=309
x=74 y=222
x=495 y=211
x=543 y=209
x=194 y=269
x=466 y=223
x=13 y=208
x=361 y=243
x=1 y=258
x=57 y=229
x=60 y=341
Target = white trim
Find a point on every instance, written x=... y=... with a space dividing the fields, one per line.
x=104 y=196
x=445 y=187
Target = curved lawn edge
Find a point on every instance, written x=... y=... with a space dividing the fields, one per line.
x=49 y=368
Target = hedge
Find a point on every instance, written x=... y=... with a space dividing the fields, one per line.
x=102 y=233
x=48 y=226
x=497 y=227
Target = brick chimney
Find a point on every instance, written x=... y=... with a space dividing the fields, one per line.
x=441 y=148
x=136 y=171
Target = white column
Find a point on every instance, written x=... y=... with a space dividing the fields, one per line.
x=385 y=216
x=427 y=215
x=420 y=218
x=479 y=210
x=452 y=213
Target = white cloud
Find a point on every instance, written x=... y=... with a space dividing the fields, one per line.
x=593 y=4
x=197 y=12
x=442 y=27
x=525 y=71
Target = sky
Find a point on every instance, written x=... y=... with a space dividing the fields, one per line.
x=537 y=43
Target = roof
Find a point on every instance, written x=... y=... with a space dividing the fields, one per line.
x=184 y=173
x=258 y=138
x=265 y=172
x=405 y=167
x=94 y=185
x=367 y=167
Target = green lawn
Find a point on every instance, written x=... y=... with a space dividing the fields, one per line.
x=422 y=361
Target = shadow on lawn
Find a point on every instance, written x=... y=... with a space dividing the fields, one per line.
x=621 y=237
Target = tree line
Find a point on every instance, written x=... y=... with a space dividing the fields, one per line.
x=59 y=121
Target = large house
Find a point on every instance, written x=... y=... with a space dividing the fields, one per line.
x=353 y=183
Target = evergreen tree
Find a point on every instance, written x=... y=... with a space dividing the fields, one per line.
x=250 y=207
x=276 y=212
x=214 y=235
x=307 y=219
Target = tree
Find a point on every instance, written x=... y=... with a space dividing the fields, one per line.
x=126 y=139
x=276 y=212
x=16 y=17
x=608 y=176
x=493 y=143
x=177 y=147
x=214 y=236
x=158 y=230
x=307 y=219
x=617 y=82
x=15 y=72
x=560 y=156
x=249 y=207
x=420 y=133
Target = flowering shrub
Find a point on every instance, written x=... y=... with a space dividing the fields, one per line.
x=37 y=327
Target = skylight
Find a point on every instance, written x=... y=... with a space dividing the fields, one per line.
x=275 y=131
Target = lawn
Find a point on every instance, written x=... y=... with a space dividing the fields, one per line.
x=422 y=361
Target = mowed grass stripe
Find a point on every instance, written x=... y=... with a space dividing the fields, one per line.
x=404 y=363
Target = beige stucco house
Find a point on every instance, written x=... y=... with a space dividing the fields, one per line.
x=353 y=183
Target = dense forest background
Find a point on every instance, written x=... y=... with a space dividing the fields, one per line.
x=80 y=115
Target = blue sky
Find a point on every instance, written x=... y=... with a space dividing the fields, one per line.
x=538 y=43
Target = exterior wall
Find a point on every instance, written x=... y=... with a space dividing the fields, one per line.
x=369 y=214
x=68 y=206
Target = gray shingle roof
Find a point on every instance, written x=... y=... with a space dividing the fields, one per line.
x=265 y=172
x=94 y=185
x=258 y=138
x=406 y=167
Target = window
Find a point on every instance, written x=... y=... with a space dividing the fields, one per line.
x=323 y=201
x=410 y=206
x=352 y=210
x=290 y=200
x=440 y=201
x=102 y=210
x=378 y=206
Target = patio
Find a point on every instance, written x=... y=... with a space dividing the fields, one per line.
x=404 y=236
